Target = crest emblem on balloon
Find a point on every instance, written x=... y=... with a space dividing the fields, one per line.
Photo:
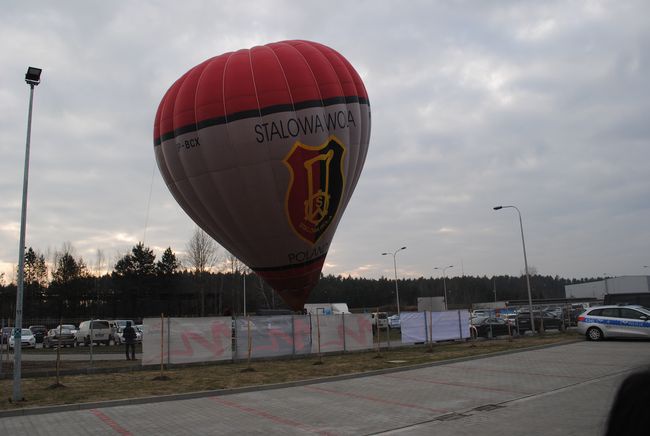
x=316 y=187
x=263 y=148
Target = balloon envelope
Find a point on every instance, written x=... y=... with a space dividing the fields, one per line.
x=262 y=148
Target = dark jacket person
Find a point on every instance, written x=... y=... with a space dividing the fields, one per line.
x=129 y=336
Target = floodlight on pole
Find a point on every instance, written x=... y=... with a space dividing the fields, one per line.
x=523 y=243
x=32 y=78
x=444 y=281
x=395 y=267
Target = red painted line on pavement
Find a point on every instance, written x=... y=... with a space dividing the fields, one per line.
x=270 y=417
x=112 y=424
x=513 y=371
x=376 y=399
x=462 y=385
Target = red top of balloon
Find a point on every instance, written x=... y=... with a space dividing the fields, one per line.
x=244 y=84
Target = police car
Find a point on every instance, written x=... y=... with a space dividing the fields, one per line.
x=615 y=322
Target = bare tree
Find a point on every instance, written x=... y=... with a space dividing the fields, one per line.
x=202 y=252
x=235 y=267
x=202 y=255
x=233 y=264
x=99 y=263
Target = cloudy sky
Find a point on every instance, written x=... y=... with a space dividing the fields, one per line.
x=542 y=105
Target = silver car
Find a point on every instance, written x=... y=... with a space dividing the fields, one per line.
x=615 y=322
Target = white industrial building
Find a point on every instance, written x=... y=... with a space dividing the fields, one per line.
x=613 y=285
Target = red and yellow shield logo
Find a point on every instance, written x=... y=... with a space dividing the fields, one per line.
x=315 y=188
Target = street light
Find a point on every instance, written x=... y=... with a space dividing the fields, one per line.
x=523 y=243
x=395 y=266
x=444 y=281
x=33 y=78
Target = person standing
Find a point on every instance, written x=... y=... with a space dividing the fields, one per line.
x=129 y=336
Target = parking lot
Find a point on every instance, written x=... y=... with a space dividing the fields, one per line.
x=559 y=390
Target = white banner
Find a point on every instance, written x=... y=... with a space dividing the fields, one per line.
x=347 y=332
x=436 y=326
x=413 y=327
x=271 y=336
x=187 y=340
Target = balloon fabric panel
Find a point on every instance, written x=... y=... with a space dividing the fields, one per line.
x=263 y=148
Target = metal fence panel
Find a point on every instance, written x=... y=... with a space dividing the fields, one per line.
x=270 y=336
x=358 y=332
x=187 y=340
x=413 y=327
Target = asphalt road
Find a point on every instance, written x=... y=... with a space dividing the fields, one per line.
x=561 y=390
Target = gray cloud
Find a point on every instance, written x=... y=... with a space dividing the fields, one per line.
x=541 y=105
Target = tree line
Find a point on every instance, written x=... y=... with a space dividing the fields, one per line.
x=141 y=286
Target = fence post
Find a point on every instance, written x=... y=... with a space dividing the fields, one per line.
x=377 y=332
x=344 y=335
x=2 y=349
x=320 y=357
x=169 y=341
x=162 y=343
x=234 y=339
x=430 y=332
x=91 y=341
x=387 y=334
x=293 y=336
x=250 y=343
x=460 y=326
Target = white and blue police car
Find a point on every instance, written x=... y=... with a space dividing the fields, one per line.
x=625 y=321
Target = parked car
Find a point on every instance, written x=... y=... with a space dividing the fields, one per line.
x=96 y=331
x=118 y=336
x=70 y=327
x=117 y=327
x=27 y=340
x=39 y=332
x=481 y=313
x=394 y=322
x=510 y=318
x=550 y=321
x=379 y=319
x=493 y=327
x=477 y=319
x=630 y=321
x=59 y=336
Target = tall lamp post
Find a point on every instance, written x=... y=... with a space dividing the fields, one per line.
x=523 y=243
x=33 y=78
x=395 y=266
x=444 y=281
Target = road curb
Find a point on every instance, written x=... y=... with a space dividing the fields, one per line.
x=224 y=392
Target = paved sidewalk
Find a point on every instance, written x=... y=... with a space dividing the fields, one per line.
x=562 y=390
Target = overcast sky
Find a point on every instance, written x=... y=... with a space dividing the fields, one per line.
x=542 y=105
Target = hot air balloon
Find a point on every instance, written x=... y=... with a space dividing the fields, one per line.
x=263 y=148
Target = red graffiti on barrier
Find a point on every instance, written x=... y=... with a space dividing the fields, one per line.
x=276 y=336
x=358 y=333
x=302 y=333
x=221 y=333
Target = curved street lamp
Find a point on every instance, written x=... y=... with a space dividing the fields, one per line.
x=395 y=266
x=523 y=243
x=444 y=281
